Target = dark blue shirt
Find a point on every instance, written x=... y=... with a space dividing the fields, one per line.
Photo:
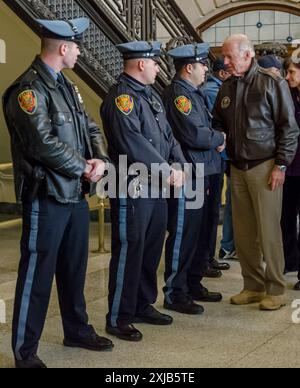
x=211 y=90
x=51 y=71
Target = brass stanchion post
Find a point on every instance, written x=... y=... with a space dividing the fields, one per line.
x=101 y=227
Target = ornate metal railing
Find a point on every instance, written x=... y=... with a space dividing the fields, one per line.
x=112 y=22
x=139 y=18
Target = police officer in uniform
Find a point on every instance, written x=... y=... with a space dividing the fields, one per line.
x=136 y=126
x=187 y=245
x=58 y=157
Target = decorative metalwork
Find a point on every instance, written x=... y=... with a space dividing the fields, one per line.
x=173 y=43
x=112 y=22
x=98 y=52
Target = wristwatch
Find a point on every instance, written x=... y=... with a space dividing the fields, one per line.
x=282 y=168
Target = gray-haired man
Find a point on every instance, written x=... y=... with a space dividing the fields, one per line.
x=255 y=109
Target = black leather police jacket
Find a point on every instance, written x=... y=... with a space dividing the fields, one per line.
x=257 y=114
x=57 y=135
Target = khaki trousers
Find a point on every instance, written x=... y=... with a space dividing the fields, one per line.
x=257 y=229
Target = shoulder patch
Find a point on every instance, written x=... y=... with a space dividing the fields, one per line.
x=125 y=104
x=184 y=105
x=28 y=101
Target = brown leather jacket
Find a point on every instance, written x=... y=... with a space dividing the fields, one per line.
x=257 y=114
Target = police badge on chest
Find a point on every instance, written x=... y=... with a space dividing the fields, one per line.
x=80 y=99
x=135 y=188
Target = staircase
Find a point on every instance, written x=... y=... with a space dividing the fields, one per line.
x=112 y=22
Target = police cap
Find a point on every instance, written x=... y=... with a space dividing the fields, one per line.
x=140 y=49
x=191 y=53
x=68 y=30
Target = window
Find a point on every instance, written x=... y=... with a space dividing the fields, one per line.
x=260 y=26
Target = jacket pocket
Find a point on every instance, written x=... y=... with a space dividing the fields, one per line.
x=260 y=135
x=61 y=118
x=63 y=128
x=260 y=143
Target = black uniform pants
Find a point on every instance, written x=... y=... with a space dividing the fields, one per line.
x=138 y=234
x=213 y=206
x=54 y=243
x=207 y=233
x=185 y=227
x=291 y=211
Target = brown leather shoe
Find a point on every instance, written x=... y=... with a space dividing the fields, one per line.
x=272 y=303
x=247 y=297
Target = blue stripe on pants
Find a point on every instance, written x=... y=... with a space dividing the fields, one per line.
x=177 y=246
x=34 y=223
x=122 y=262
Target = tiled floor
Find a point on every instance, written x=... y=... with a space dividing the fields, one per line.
x=225 y=336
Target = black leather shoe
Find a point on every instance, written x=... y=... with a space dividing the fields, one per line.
x=32 y=362
x=204 y=295
x=125 y=332
x=153 y=317
x=297 y=286
x=212 y=273
x=290 y=270
x=219 y=266
x=93 y=342
x=185 y=307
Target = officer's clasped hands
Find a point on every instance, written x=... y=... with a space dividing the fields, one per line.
x=222 y=147
x=95 y=170
x=176 y=179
